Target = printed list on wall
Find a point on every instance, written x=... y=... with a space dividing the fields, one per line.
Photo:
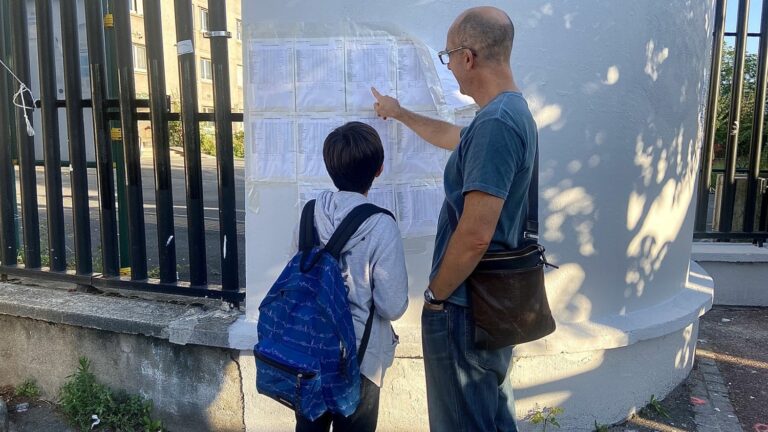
x=300 y=89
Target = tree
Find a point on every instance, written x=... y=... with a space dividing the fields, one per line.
x=747 y=106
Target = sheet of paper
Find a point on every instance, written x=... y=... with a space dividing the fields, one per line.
x=412 y=83
x=311 y=132
x=370 y=63
x=416 y=158
x=271 y=67
x=311 y=191
x=272 y=155
x=418 y=206
x=383 y=196
x=320 y=75
x=451 y=93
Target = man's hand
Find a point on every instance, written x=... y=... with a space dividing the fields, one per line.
x=386 y=106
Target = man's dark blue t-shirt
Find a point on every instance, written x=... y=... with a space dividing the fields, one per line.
x=495 y=155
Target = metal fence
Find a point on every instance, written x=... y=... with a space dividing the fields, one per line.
x=738 y=209
x=115 y=115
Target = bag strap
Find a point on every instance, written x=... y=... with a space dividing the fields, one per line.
x=340 y=237
x=532 y=222
x=350 y=225
x=531 y=232
x=307 y=232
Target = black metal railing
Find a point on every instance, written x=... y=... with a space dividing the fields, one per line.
x=724 y=230
x=115 y=116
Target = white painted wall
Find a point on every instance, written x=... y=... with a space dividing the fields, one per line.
x=618 y=89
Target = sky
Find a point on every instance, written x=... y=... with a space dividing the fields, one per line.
x=731 y=15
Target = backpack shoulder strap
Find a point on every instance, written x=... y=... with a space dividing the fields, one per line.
x=340 y=237
x=307 y=233
x=350 y=225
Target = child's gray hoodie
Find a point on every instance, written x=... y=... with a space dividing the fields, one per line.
x=373 y=267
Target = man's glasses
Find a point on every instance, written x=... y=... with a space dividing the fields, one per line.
x=445 y=56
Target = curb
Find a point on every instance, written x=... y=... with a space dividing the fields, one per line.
x=717 y=414
x=3 y=416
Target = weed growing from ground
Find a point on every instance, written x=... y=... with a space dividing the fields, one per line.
x=28 y=389
x=85 y=401
x=545 y=416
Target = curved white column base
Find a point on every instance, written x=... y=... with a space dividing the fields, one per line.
x=599 y=371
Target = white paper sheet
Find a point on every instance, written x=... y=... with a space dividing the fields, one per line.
x=416 y=158
x=272 y=155
x=370 y=63
x=271 y=67
x=418 y=206
x=412 y=84
x=311 y=134
x=453 y=97
x=310 y=191
x=320 y=75
x=383 y=195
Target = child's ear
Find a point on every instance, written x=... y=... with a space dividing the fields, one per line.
x=381 y=169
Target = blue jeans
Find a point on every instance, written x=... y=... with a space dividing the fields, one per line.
x=467 y=389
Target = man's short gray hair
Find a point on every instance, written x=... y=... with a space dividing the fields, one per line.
x=490 y=38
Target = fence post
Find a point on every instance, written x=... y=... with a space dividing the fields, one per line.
x=25 y=143
x=757 y=125
x=114 y=137
x=130 y=135
x=219 y=36
x=729 y=190
x=8 y=241
x=192 y=164
x=78 y=174
x=166 y=239
x=105 y=175
x=702 y=202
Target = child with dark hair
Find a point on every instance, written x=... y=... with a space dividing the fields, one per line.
x=372 y=264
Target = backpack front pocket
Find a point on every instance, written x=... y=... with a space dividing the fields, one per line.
x=289 y=377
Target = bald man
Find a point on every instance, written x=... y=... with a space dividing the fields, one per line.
x=486 y=182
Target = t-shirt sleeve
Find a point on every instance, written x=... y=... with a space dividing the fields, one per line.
x=492 y=158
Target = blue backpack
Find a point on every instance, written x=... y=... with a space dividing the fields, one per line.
x=305 y=356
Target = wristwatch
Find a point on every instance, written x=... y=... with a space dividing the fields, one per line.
x=429 y=297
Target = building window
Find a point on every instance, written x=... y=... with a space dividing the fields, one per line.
x=206 y=71
x=239 y=29
x=204 y=20
x=139 y=58
x=207 y=109
x=239 y=75
x=137 y=7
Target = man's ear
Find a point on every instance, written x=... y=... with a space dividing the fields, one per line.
x=469 y=59
x=381 y=169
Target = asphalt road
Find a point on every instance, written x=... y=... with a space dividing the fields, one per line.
x=211 y=205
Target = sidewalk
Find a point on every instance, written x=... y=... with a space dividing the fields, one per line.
x=725 y=392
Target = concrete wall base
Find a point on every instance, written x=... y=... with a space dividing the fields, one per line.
x=740 y=272
x=603 y=371
x=193 y=388
x=173 y=353
x=606 y=386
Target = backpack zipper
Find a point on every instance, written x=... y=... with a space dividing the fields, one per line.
x=285 y=368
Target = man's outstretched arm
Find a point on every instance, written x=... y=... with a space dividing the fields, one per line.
x=436 y=132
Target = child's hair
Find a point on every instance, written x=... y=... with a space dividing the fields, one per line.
x=353 y=155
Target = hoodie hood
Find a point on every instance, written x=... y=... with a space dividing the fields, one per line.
x=330 y=210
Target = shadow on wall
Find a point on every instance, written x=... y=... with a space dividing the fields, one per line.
x=628 y=124
x=620 y=147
